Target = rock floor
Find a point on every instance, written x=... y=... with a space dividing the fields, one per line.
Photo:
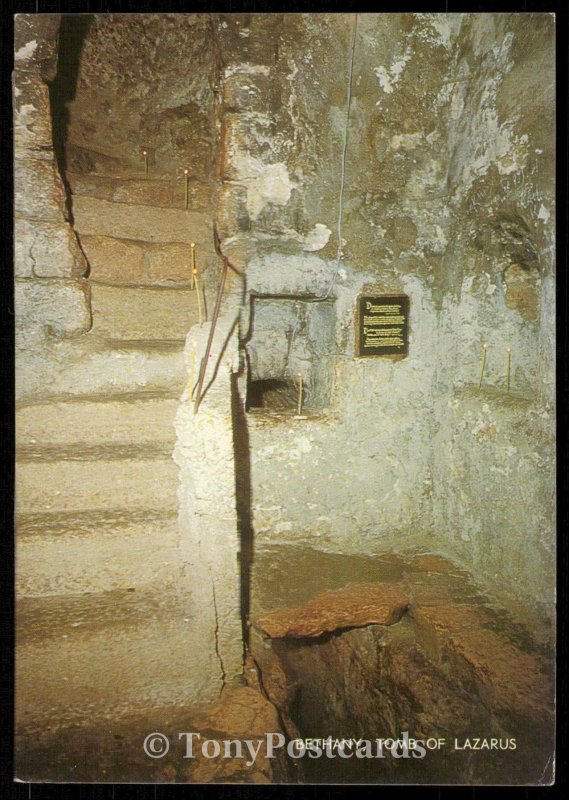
x=344 y=646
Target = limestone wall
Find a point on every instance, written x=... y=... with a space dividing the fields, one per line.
x=403 y=153
x=52 y=299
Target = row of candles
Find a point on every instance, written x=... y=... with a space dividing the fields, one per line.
x=194 y=284
x=483 y=366
x=186 y=179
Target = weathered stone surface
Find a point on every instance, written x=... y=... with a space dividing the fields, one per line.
x=56 y=552
x=32 y=117
x=134 y=191
x=47 y=250
x=170 y=264
x=130 y=482
x=248 y=89
x=116 y=261
x=241 y=713
x=239 y=251
x=512 y=679
x=251 y=38
x=35 y=43
x=148 y=314
x=522 y=291
x=62 y=424
x=90 y=366
x=432 y=563
x=38 y=191
x=114 y=641
x=151 y=104
x=416 y=153
x=244 y=138
x=52 y=308
x=304 y=276
x=122 y=262
x=146 y=193
x=98 y=749
x=354 y=606
x=207 y=438
x=85 y=160
x=232 y=216
x=142 y=223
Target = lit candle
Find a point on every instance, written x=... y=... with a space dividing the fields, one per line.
x=186 y=180
x=193 y=270
x=199 y=297
x=299 y=407
x=484 y=348
x=508 y=364
x=145 y=154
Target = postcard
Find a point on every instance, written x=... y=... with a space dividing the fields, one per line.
x=285 y=421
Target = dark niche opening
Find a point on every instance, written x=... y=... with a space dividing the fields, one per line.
x=272 y=395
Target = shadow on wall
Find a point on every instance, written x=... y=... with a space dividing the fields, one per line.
x=72 y=34
x=243 y=498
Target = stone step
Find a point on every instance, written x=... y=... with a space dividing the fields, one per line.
x=135 y=313
x=115 y=368
x=92 y=421
x=101 y=656
x=95 y=551
x=121 y=262
x=78 y=484
x=142 y=223
x=152 y=191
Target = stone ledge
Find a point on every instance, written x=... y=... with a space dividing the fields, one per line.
x=138 y=191
x=301 y=276
x=354 y=606
x=143 y=223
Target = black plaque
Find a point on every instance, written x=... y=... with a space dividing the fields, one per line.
x=382 y=325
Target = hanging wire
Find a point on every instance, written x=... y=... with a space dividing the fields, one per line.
x=343 y=164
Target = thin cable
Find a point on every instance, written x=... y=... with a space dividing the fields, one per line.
x=343 y=162
x=345 y=147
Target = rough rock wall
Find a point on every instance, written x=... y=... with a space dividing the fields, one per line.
x=143 y=82
x=52 y=300
x=495 y=453
x=400 y=153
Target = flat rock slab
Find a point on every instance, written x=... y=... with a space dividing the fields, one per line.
x=138 y=222
x=353 y=606
x=134 y=313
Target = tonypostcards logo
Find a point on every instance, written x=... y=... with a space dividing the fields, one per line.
x=157 y=745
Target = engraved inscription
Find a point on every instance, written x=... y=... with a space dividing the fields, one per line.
x=382 y=325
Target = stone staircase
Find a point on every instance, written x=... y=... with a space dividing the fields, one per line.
x=102 y=616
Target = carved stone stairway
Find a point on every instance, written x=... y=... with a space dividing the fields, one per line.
x=101 y=617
